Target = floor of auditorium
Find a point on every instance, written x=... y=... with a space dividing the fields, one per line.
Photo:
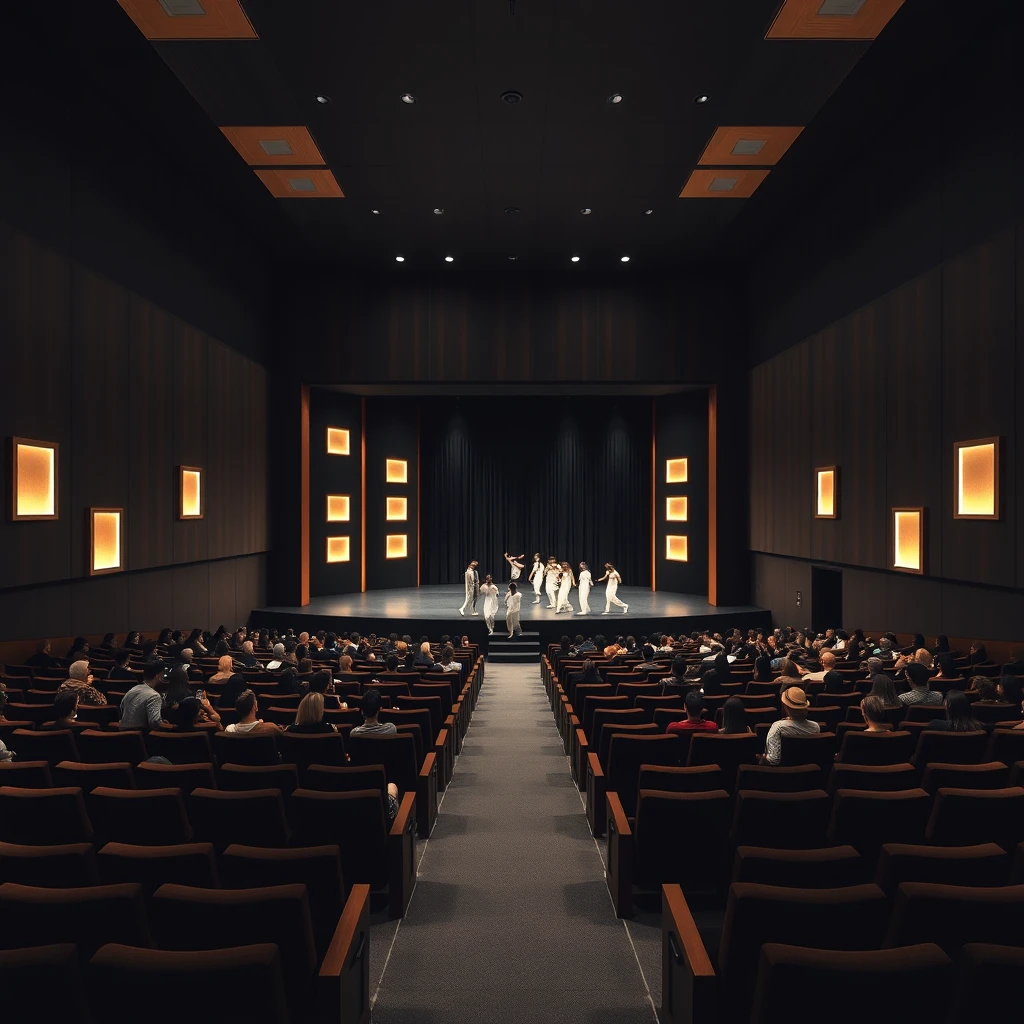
x=511 y=917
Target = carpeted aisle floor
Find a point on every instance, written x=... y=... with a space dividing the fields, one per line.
x=511 y=919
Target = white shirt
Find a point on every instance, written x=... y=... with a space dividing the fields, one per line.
x=513 y=601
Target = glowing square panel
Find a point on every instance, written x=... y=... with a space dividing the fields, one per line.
x=908 y=539
x=826 y=491
x=104 y=540
x=397 y=471
x=676 y=471
x=339 y=508
x=284 y=144
x=189 y=19
x=760 y=146
x=676 y=509
x=734 y=183
x=398 y=509
x=307 y=183
x=338 y=441
x=397 y=545
x=338 y=549
x=191 y=492
x=977 y=479
x=676 y=548
x=34 y=469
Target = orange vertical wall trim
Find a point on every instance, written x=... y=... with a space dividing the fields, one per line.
x=654 y=496
x=304 y=496
x=712 y=495
x=419 y=426
x=362 y=495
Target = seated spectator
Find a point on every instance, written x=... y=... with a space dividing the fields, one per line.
x=247 y=709
x=828 y=664
x=247 y=656
x=648 y=664
x=734 y=718
x=448 y=662
x=141 y=705
x=310 y=716
x=789 y=674
x=133 y=640
x=235 y=686
x=178 y=691
x=946 y=669
x=330 y=647
x=65 y=711
x=322 y=683
x=42 y=658
x=344 y=664
x=79 y=682
x=288 y=679
x=874 y=711
x=7 y=754
x=958 y=715
x=694 y=721
x=921 y=655
x=670 y=686
x=762 y=669
x=424 y=659
x=107 y=644
x=709 y=683
x=79 y=649
x=225 y=670
x=795 y=706
x=371 y=726
x=121 y=672
x=884 y=689
x=920 y=691
x=986 y=690
x=277 y=659
x=1011 y=689
x=188 y=713
x=834 y=682
x=192 y=671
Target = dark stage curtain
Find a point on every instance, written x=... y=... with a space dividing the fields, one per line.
x=566 y=477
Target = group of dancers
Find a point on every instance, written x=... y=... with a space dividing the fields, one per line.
x=554 y=578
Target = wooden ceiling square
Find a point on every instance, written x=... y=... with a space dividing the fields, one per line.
x=189 y=19
x=727 y=183
x=761 y=146
x=315 y=183
x=267 y=146
x=803 y=19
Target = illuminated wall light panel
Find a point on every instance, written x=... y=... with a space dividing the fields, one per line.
x=397 y=509
x=976 y=479
x=339 y=549
x=397 y=471
x=281 y=144
x=300 y=183
x=908 y=539
x=826 y=493
x=189 y=19
x=676 y=509
x=339 y=507
x=397 y=545
x=677 y=471
x=190 y=493
x=339 y=441
x=105 y=546
x=33 y=479
x=676 y=548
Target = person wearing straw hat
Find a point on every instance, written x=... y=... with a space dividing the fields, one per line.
x=796 y=723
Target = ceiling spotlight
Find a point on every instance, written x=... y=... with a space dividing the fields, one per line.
x=511 y=209
x=575 y=259
x=438 y=211
x=616 y=97
x=513 y=257
x=407 y=97
x=449 y=259
x=586 y=211
x=648 y=212
x=511 y=96
x=624 y=259
x=375 y=212
x=701 y=99
x=324 y=100
x=399 y=259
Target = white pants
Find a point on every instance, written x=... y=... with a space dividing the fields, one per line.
x=584 y=598
x=538 y=583
x=471 y=597
x=512 y=621
x=489 y=614
x=563 y=600
x=610 y=598
x=552 y=592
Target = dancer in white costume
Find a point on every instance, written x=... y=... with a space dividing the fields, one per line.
x=472 y=579
x=585 y=583
x=516 y=563
x=614 y=579
x=551 y=574
x=536 y=577
x=513 y=602
x=568 y=582
x=490 y=591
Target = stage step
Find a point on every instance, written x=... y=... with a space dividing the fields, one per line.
x=524 y=649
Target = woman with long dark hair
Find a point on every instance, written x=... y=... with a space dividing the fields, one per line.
x=721 y=666
x=762 y=669
x=734 y=718
x=958 y=715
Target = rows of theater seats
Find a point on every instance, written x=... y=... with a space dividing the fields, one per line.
x=790 y=892
x=236 y=879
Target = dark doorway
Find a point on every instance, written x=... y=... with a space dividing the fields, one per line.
x=826 y=599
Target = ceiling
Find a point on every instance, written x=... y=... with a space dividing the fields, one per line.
x=461 y=149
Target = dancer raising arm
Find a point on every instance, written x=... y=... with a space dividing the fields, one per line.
x=513 y=602
x=614 y=579
x=490 y=591
x=568 y=582
x=536 y=577
x=516 y=563
x=586 y=580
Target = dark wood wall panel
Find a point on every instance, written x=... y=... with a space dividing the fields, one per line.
x=98 y=604
x=827 y=400
x=191 y=590
x=190 y=400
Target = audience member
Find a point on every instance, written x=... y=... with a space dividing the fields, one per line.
x=874 y=712
x=694 y=721
x=65 y=711
x=958 y=715
x=795 y=706
x=424 y=659
x=828 y=664
x=734 y=717
x=141 y=705
x=834 y=682
x=371 y=726
x=79 y=682
x=986 y=690
x=121 y=672
x=247 y=657
x=671 y=685
x=247 y=708
x=225 y=670
x=42 y=658
x=310 y=716
x=920 y=692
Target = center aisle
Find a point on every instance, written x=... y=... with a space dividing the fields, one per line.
x=511 y=918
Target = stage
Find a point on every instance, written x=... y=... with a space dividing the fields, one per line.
x=433 y=611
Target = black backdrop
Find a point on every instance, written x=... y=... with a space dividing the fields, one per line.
x=569 y=477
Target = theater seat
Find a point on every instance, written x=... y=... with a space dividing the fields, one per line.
x=901 y=985
x=799 y=750
x=102 y=747
x=245 y=748
x=866 y=820
x=90 y=776
x=60 y=866
x=51 y=974
x=987 y=983
x=887 y=778
x=985 y=864
x=1006 y=745
x=859 y=747
x=180 y=747
x=243 y=983
x=791 y=821
x=152 y=866
x=992 y=775
x=58 y=745
x=303 y=750
x=255 y=817
x=44 y=816
x=186 y=777
x=727 y=751
x=775 y=779
x=700 y=779
x=148 y=817
x=238 y=777
x=330 y=778
x=950 y=747
x=963 y=817
x=827 y=868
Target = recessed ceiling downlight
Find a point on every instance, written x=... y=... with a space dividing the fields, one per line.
x=701 y=99
x=511 y=96
x=615 y=98
x=322 y=99
x=407 y=97
x=449 y=259
x=586 y=211
x=648 y=212
x=511 y=209
x=575 y=259
x=399 y=259
x=438 y=210
x=623 y=259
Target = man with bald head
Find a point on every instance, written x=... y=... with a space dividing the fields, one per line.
x=828 y=663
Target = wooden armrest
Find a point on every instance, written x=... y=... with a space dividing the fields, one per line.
x=426 y=796
x=688 y=982
x=596 y=807
x=343 y=984
x=620 y=857
x=582 y=750
x=402 y=857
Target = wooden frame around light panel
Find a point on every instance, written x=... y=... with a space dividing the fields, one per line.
x=223 y=19
x=182 y=470
x=819 y=470
x=895 y=512
x=54 y=448
x=958 y=447
x=93 y=513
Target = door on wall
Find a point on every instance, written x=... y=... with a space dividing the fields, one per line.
x=826 y=599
